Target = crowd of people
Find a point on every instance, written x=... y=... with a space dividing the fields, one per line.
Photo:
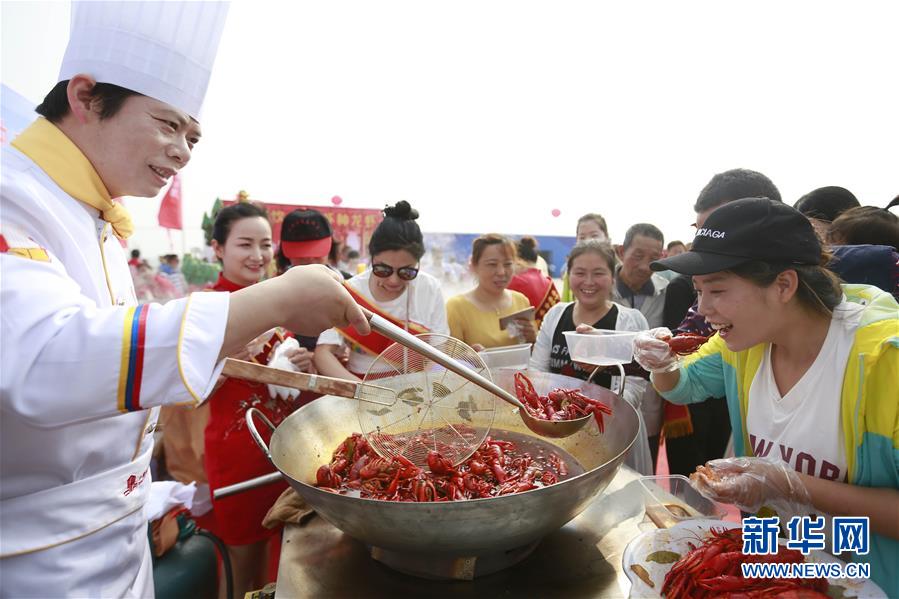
x=799 y=304
x=612 y=286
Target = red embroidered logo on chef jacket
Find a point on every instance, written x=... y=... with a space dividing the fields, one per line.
x=134 y=482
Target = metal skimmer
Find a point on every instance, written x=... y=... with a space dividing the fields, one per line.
x=437 y=409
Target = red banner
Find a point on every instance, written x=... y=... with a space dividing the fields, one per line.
x=170 y=208
x=352 y=226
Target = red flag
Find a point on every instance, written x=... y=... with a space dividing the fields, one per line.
x=170 y=208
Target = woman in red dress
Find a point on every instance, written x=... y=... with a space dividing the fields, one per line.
x=242 y=240
x=530 y=280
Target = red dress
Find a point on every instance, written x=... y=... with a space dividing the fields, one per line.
x=232 y=456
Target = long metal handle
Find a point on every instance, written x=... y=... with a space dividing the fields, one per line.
x=259 y=481
x=391 y=331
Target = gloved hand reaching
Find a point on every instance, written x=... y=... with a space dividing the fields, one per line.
x=652 y=352
x=280 y=358
x=750 y=483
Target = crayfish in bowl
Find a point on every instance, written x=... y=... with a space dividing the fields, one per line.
x=713 y=569
x=559 y=404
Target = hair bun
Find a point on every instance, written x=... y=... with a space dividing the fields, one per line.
x=528 y=242
x=402 y=211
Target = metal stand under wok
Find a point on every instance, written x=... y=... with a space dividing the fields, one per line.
x=582 y=559
x=451 y=568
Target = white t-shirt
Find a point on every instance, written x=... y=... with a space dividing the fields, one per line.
x=425 y=306
x=804 y=428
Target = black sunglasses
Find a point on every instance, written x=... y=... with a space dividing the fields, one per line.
x=406 y=273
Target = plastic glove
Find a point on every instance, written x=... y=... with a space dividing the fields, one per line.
x=651 y=351
x=750 y=483
x=280 y=359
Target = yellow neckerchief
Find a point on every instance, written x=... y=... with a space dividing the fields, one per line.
x=69 y=168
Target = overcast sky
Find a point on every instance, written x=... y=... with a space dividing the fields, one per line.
x=487 y=115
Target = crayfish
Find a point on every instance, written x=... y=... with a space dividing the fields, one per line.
x=496 y=468
x=713 y=569
x=558 y=404
x=686 y=343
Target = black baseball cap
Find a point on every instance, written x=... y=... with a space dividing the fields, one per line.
x=744 y=231
x=305 y=234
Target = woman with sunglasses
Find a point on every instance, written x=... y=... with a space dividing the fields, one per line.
x=393 y=288
x=474 y=316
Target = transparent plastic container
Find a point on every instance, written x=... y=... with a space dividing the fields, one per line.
x=672 y=499
x=601 y=348
x=507 y=356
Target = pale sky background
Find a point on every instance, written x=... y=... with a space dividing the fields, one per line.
x=487 y=115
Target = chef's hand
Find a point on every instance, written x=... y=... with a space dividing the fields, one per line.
x=313 y=299
x=651 y=351
x=750 y=483
x=306 y=300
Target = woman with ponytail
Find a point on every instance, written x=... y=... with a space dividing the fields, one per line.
x=392 y=287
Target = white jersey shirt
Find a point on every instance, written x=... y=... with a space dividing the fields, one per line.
x=82 y=369
x=803 y=427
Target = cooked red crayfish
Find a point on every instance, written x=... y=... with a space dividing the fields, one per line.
x=686 y=343
x=496 y=468
x=558 y=404
x=713 y=570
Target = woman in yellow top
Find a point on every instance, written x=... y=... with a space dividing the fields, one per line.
x=474 y=316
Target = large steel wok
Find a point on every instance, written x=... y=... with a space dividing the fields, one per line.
x=304 y=441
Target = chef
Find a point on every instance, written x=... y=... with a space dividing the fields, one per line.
x=83 y=368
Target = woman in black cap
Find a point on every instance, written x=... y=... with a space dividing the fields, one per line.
x=808 y=367
x=394 y=288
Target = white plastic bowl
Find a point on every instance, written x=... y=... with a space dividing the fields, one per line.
x=507 y=356
x=601 y=348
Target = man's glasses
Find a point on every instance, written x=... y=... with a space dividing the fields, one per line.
x=406 y=273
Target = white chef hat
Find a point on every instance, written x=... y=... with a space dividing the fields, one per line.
x=164 y=50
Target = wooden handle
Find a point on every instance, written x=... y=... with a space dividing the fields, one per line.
x=286 y=378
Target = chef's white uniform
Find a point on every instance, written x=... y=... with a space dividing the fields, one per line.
x=82 y=369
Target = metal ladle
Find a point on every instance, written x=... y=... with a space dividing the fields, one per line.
x=544 y=428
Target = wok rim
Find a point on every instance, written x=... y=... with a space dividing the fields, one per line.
x=619 y=457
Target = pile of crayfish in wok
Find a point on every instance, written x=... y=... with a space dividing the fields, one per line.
x=713 y=569
x=496 y=468
x=559 y=404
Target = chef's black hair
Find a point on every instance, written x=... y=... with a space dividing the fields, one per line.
x=56 y=103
